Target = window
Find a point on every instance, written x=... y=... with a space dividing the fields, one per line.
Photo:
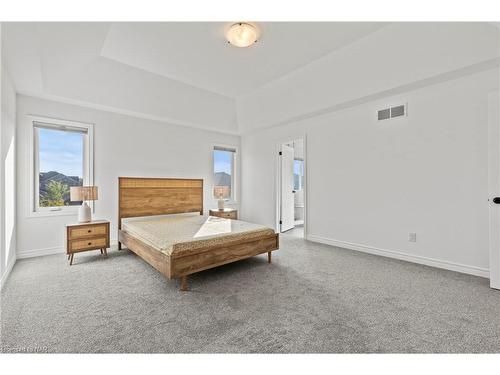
x=62 y=158
x=224 y=172
x=298 y=174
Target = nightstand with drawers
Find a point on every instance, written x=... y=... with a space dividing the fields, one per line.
x=80 y=237
x=228 y=213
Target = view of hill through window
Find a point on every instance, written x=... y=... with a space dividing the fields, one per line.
x=223 y=169
x=60 y=165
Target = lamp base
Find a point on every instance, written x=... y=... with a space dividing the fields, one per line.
x=220 y=204
x=84 y=213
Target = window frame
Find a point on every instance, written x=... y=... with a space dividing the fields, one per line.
x=88 y=168
x=234 y=175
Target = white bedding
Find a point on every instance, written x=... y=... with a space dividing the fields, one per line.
x=176 y=233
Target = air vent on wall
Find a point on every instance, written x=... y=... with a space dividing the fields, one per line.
x=384 y=114
x=387 y=113
x=398 y=111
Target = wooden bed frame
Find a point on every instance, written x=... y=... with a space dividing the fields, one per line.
x=159 y=196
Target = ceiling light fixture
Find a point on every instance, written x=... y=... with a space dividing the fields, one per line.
x=242 y=34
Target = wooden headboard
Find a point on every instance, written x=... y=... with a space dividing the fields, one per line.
x=138 y=196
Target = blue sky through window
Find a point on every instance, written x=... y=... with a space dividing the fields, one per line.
x=223 y=161
x=61 y=151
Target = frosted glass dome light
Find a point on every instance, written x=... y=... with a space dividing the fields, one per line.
x=242 y=34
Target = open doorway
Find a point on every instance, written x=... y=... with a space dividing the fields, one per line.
x=291 y=192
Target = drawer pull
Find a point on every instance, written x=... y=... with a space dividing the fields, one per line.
x=89 y=231
x=90 y=243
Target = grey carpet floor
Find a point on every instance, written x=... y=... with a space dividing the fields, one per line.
x=312 y=298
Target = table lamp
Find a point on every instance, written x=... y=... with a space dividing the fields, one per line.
x=84 y=194
x=222 y=192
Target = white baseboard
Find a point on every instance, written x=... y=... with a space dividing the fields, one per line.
x=470 y=270
x=6 y=274
x=49 y=251
x=40 y=252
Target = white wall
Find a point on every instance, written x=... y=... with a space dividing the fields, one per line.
x=369 y=184
x=7 y=176
x=123 y=146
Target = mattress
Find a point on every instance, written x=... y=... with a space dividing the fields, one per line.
x=173 y=234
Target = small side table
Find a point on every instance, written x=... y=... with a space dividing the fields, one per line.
x=80 y=237
x=228 y=213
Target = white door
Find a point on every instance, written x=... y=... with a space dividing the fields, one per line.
x=287 y=197
x=494 y=188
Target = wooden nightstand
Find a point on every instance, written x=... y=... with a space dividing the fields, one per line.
x=93 y=235
x=228 y=213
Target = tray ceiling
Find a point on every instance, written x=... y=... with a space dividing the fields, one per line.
x=182 y=73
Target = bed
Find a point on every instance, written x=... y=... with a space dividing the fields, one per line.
x=161 y=220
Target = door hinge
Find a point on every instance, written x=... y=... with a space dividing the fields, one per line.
x=280 y=153
x=281 y=222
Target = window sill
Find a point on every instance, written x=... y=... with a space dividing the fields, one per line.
x=35 y=214
x=229 y=203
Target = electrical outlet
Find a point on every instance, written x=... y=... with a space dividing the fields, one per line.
x=412 y=237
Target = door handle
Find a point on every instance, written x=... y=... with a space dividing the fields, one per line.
x=293 y=191
x=496 y=200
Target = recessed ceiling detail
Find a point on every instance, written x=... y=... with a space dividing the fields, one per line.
x=178 y=72
x=195 y=52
